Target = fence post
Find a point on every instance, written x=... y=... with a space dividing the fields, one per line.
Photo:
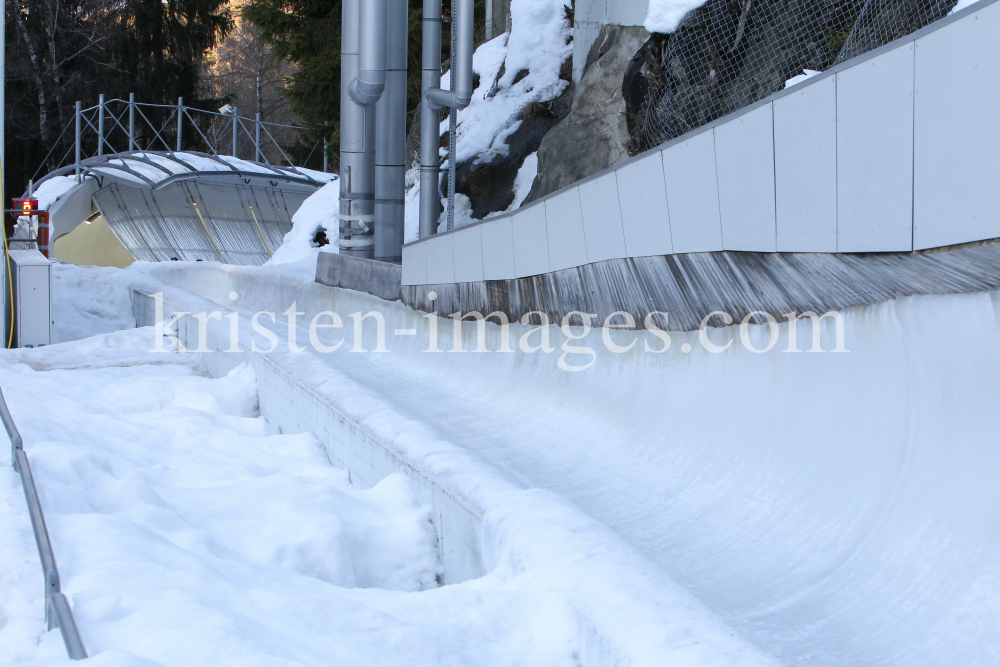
x=77 y=116
x=100 y=125
x=489 y=20
x=131 y=121
x=235 y=127
x=180 y=121
x=257 y=140
x=325 y=170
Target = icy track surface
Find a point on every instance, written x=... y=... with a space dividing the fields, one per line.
x=837 y=509
x=187 y=532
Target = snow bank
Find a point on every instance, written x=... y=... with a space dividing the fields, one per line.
x=89 y=300
x=318 y=212
x=665 y=15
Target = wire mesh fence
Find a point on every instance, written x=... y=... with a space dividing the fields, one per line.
x=728 y=54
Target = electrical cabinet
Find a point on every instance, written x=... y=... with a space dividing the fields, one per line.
x=29 y=313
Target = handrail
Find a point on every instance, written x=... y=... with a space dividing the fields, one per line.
x=57 y=610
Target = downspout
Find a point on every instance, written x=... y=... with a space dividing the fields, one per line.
x=434 y=99
x=390 y=139
x=362 y=76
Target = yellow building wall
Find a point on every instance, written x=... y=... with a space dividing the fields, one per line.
x=93 y=243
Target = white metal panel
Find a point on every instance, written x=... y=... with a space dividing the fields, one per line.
x=498 y=249
x=564 y=224
x=805 y=168
x=34 y=321
x=602 y=219
x=415 y=264
x=469 y=254
x=645 y=217
x=956 y=132
x=628 y=13
x=875 y=153
x=744 y=158
x=531 y=249
x=693 y=194
x=441 y=260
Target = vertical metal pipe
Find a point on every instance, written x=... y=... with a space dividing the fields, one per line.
x=131 y=121
x=489 y=20
x=100 y=125
x=369 y=83
x=452 y=125
x=390 y=139
x=430 y=121
x=77 y=117
x=180 y=122
x=325 y=158
x=256 y=142
x=235 y=128
x=357 y=144
x=458 y=97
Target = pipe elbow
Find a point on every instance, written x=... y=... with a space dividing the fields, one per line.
x=365 y=92
x=463 y=98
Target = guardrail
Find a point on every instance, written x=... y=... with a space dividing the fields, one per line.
x=57 y=611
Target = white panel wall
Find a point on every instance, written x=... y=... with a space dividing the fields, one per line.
x=693 y=194
x=469 y=254
x=441 y=260
x=805 y=168
x=643 y=198
x=875 y=153
x=957 y=132
x=531 y=248
x=744 y=157
x=564 y=223
x=602 y=218
x=498 y=249
x=415 y=264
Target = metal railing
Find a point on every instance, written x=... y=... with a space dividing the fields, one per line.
x=57 y=611
x=120 y=126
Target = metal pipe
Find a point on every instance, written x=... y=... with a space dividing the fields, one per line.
x=235 y=127
x=325 y=158
x=390 y=139
x=256 y=143
x=452 y=130
x=77 y=116
x=369 y=83
x=100 y=125
x=489 y=20
x=430 y=121
x=435 y=98
x=131 y=121
x=357 y=146
x=180 y=121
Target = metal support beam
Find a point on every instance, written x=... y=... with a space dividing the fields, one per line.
x=236 y=126
x=256 y=142
x=131 y=121
x=77 y=146
x=180 y=122
x=100 y=125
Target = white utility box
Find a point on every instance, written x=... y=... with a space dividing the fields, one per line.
x=30 y=314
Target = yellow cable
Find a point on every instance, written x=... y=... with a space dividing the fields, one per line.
x=6 y=253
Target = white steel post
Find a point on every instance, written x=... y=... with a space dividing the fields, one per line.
x=131 y=121
x=180 y=121
x=77 y=116
x=100 y=125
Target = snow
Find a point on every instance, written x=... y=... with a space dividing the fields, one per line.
x=664 y=16
x=960 y=5
x=318 y=211
x=52 y=189
x=524 y=180
x=89 y=300
x=805 y=76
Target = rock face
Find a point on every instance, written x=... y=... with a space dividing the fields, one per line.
x=594 y=136
x=490 y=185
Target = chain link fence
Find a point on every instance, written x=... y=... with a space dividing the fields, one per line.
x=728 y=54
